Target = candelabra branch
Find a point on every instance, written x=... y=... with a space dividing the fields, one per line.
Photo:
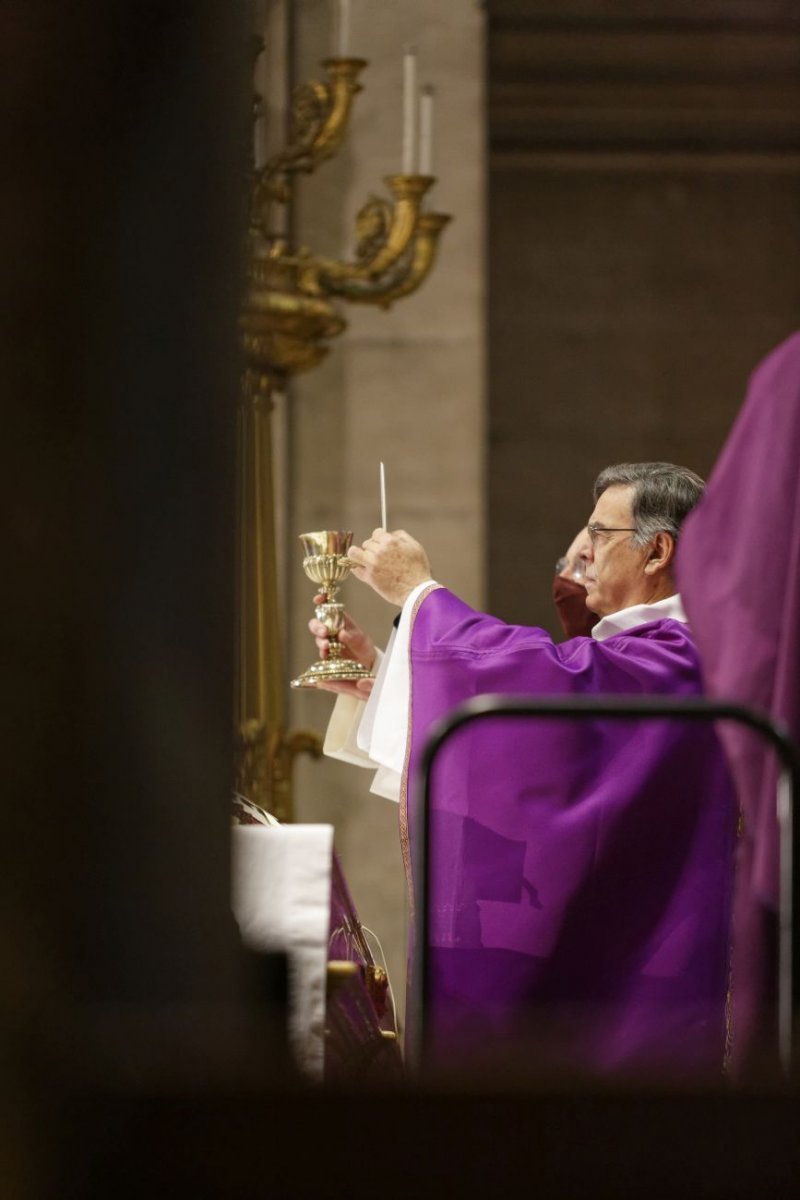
x=320 y=114
x=386 y=232
x=426 y=244
x=407 y=275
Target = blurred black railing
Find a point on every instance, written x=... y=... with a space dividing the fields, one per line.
x=617 y=708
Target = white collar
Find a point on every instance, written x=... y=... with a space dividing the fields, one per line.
x=639 y=614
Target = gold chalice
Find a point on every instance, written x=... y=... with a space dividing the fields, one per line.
x=326 y=563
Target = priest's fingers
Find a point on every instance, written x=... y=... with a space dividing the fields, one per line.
x=322 y=642
x=363 y=566
x=358 y=645
x=319 y=634
x=321 y=637
x=324 y=650
x=365 y=553
x=319 y=629
x=356 y=642
x=393 y=564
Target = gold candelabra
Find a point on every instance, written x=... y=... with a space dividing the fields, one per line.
x=290 y=314
x=290 y=311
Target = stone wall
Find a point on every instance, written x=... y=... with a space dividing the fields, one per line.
x=644 y=249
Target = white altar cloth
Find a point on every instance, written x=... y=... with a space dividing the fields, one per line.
x=281 y=900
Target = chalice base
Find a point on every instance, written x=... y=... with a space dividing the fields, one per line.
x=332 y=670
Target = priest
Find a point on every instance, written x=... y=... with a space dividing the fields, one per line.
x=581 y=870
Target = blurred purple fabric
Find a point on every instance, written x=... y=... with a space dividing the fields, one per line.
x=581 y=870
x=739 y=574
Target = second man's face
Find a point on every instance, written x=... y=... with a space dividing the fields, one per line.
x=614 y=577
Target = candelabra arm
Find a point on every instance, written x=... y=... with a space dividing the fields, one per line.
x=320 y=114
x=408 y=275
x=291 y=745
x=386 y=232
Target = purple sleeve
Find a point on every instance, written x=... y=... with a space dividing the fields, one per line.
x=652 y=659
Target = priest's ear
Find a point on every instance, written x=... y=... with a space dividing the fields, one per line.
x=660 y=553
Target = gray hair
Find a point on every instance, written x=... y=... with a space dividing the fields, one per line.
x=663 y=494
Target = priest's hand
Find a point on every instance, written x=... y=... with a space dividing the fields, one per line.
x=391 y=563
x=357 y=645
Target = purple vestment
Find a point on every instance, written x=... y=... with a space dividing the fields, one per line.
x=739 y=569
x=581 y=871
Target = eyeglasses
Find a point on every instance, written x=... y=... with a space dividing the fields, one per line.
x=596 y=532
x=576 y=568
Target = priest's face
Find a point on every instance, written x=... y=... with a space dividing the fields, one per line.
x=615 y=575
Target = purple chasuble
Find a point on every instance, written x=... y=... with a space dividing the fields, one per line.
x=581 y=871
x=739 y=569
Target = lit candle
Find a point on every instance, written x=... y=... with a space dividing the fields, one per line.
x=426 y=131
x=410 y=111
x=343 y=28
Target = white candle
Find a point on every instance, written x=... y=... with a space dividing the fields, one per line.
x=409 y=111
x=343 y=28
x=426 y=131
x=383 y=497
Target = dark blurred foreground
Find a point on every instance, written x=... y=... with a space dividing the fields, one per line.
x=604 y=1147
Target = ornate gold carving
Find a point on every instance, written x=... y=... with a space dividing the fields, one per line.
x=373 y=223
x=264 y=764
x=283 y=331
x=289 y=316
x=320 y=112
x=407 y=275
x=387 y=236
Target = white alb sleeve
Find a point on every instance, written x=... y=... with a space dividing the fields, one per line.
x=342 y=732
x=375 y=734
x=383 y=733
